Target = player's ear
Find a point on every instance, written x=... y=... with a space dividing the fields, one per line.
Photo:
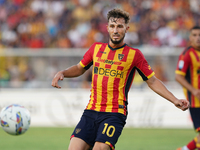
x=107 y=27
x=127 y=28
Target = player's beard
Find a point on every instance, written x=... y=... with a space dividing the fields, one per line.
x=117 y=42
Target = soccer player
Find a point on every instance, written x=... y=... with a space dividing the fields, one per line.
x=114 y=66
x=188 y=75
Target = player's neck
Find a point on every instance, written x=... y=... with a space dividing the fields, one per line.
x=196 y=48
x=116 y=45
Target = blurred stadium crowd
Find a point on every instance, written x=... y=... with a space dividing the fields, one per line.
x=79 y=23
x=66 y=24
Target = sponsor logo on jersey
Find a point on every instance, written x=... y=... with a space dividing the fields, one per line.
x=110 y=62
x=108 y=72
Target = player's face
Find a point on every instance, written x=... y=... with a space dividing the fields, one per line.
x=117 y=28
x=195 y=38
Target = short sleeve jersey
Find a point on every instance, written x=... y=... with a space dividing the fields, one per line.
x=112 y=75
x=189 y=66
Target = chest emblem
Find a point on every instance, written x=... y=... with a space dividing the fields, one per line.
x=120 y=56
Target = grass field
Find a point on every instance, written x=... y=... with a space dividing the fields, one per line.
x=131 y=139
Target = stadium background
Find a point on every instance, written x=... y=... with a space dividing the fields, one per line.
x=40 y=37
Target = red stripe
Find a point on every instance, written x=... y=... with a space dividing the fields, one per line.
x=104 y=90
x=125 y=52
x=95 y=91
x=115 y=95
x=125 y=110
x=108 y=66
x=71 y=137
x=192 y=96
x=111 y=54
x=198 y=81
x=94 y=84
x=198 y=129
x=196 y=55
x=96 y=64
x=101 y=50
x=104 y=93
x=120 y=68
x=112 y=147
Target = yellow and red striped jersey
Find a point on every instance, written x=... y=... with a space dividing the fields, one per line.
x=189 y=66
x=112 y=75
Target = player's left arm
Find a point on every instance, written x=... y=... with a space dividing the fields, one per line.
x=157 y=86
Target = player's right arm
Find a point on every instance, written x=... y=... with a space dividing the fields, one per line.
x=73 y=71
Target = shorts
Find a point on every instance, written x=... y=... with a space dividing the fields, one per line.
x=195 y=114
x=103 y=127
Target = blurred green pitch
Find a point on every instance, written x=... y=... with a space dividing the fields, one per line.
x=131 y=139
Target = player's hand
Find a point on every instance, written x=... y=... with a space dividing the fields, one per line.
x=58 y=76
x=182 y=104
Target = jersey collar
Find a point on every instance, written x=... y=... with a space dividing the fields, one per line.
x=117 y=47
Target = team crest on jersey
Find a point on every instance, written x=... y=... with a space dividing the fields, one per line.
x=120 y=56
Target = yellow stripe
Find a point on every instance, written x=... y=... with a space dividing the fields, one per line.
x=81 y=64
x=180 y=72
x=195 y=82
x=151 y=75
x=127 y=65
x=97 y=47
x=197 y=129
x=109 y=144
x=197 y=145
x=195 y=139
x=185 y=92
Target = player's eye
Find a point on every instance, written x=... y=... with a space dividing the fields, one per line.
x=112 y=26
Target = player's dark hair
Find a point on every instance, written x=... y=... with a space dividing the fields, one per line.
x=118 y=13
x=195 y=27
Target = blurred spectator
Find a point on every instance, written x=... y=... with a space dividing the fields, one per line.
x=67 y=24
x=159 y=69
x=38 y=23
x=86 y=83
x=4 y=74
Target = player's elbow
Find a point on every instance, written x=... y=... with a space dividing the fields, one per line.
x=151 y=81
